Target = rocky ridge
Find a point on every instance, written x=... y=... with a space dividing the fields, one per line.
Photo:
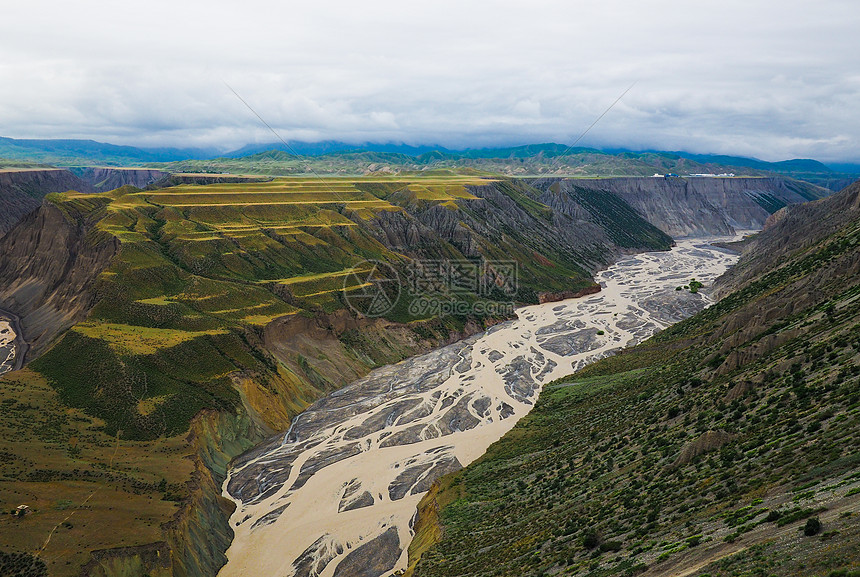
x=700 y=206
x=22 y=190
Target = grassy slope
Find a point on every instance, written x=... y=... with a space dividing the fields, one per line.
x=701 y=452
x=200 y=269
x=88 y=487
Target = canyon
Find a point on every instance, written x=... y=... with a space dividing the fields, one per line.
x=337 y=493
x=186 y=315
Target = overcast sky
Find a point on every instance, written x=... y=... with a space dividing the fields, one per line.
x=774 y=80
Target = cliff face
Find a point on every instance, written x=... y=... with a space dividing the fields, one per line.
x=509 y=220
x=200 y=533
x=600 y=215
x=683 y=207
x=104 y=179
x=789 y=231
x=50 y=263
x=21 y=191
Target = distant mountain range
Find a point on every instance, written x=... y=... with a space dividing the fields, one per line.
x=56 y=150
x=335 y=157
x=547 y=150
x=70 y=152
x=330 y=147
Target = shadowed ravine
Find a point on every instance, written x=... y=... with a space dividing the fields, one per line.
x=336 y=495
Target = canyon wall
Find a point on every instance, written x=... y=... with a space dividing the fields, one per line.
x=49 y=266
x=22 y=190
x=702 y=206
x=108 y=178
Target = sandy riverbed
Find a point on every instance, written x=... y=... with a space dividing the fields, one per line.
x=7 y=346
x=335 y=496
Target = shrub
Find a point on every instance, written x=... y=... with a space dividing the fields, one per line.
x=591 y=539
x=773 y=516
x=694 y=540
x=21 y=565
x=813 y=526
x=611 y=546
x=794 y=515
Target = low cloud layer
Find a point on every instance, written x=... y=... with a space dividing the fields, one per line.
x=771 y=80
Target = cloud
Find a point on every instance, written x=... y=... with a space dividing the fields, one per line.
x=728 y=77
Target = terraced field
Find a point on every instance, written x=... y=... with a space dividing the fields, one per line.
x=203 y=271
x=293 y=235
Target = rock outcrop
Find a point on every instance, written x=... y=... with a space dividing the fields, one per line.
x=708 y=441
x=564 y=295
x=22 y=190
x=108 y=178
x=790 y=231
x=683 y=207
x=49 y=266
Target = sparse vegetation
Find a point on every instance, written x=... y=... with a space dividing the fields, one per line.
x=21 y=565
x=767 y=444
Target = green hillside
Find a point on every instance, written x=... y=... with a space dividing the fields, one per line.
x=725 y=445
x=202 y=269
x=89 y=152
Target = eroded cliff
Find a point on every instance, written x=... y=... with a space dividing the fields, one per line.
x=108 y=178
x=22 y=190
x=222 y=314
x=50 y=263
x=702 y=206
